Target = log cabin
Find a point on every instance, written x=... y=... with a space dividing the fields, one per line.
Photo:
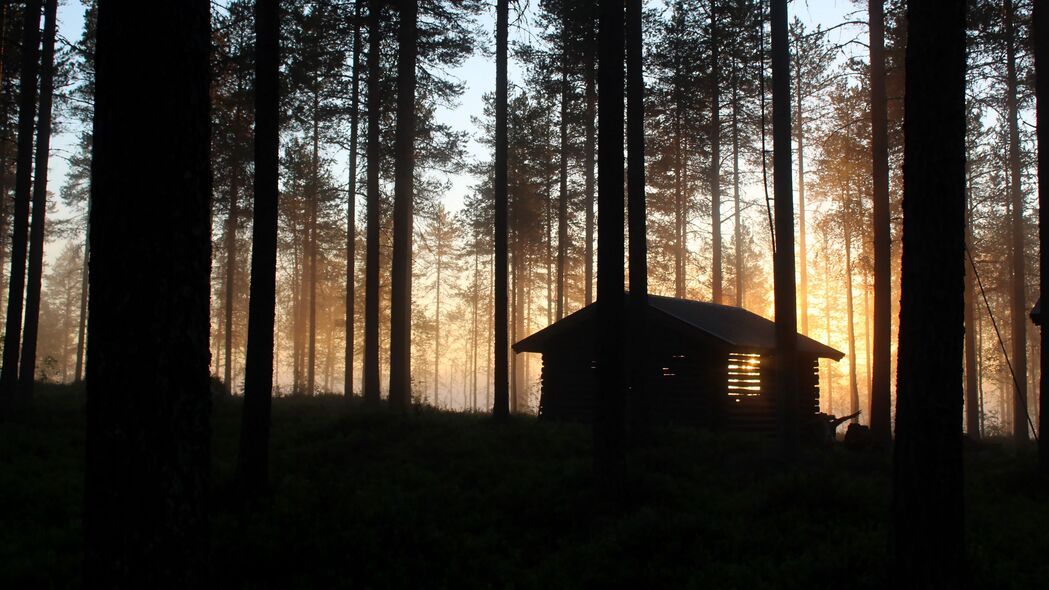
x=709 y=365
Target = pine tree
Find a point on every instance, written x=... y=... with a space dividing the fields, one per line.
x=147 y=464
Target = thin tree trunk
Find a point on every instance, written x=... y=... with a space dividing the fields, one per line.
x=928 y=509
x=608 y=423
x=738 y=225
x=27 y=373
x=473 y=331
x=82 y=322
x=23 y=179
x=501 y=408
x=148 y=402
x=370 y=369
x=1041 y=60
x=253 y=456
x=437 y=335
x=785 y=293
x=636 y=206
x=854 y=394
x=881 y=401
x=403 y=194
x=231 y=267
x=562 y=202
x=972 y=392
x=589 y=132
x=313 y=195
x=803 y=266
x=351 y=203
x=715 y=158
x=1018 y=299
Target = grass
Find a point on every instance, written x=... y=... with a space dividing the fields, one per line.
x=366 y=499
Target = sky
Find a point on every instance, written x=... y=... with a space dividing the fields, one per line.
x=477 y=74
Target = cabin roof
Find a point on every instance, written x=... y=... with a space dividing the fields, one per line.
x=734 y=327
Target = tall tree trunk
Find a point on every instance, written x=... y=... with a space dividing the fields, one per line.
x=715 y=158
x=1018 y=298
x=786 y=365
x=608 y=423
x=231 y=275
x=679 y=213
x=253 y=456
x=474 y=338
x=738 y=223
x=82 y=321
x=589 y=132
x=351 y=203
x=36 y=231
x=403 y=194
x=23 y=179
x=501 y=409
x=148 y=401
x=1041 y=61
x=636 y=207
x=928 y=510
x=370 y=370
x=854 y=392
x=880 y=418
x=437 y=336
x=972 y=389
x=803 y=260
x=313 y=195
x=562 y=202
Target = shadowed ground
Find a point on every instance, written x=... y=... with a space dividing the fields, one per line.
x=452 y=500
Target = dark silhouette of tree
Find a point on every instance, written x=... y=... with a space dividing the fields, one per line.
x=1041 y=64
x=404 y=192
x=371 y=287
x=928 y=533
x=635 y=138
x=501 y=409
x=880 y=418
x=27 y=371
x=148 y=399
x=351 y=201
x=23 y=171
x=786 y=366
x=716 y=279
x=1018 y=297
x=608 y=424
x=253 y=458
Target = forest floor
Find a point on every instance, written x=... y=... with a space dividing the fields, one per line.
x=369 y=499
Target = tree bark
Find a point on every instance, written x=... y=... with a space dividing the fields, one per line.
x=501 y=408
x=23 y=178
x=881 y=401
x=351 y=203
x=928 y=510
x=253 y=456
x=715 y=159
x=589 y=132
x=636 y=207
x=562 y=202
x=27 y=373
x=803 y=262
x=1018 y=298
x=1041 y=61
x=786 y=364
x=403 y=194
x=371 y=277
x=148 y=400
x=608 y=424
x=313 y=195
x=231 y=275
x=972 y=387
x=854 y=391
